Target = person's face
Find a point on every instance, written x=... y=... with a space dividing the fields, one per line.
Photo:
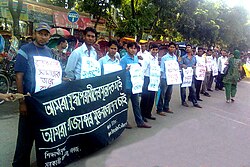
x=42 y=37
x=200 y=52
x=189 y=49
x=64 y=45
x=194 y=51
x=125 y=46
x=132 y=50
x=89 y=38
x=154 y=51
x=143 y=47
x=112 y=50
x=209 y=53
x=223 y=53
x=171 y=49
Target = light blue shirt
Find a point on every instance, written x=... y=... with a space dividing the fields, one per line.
x=166 y=57
x=188 y=62
x=74 y=64
x=107 y=60
x=124 y=62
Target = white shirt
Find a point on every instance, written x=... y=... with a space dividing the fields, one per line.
x=74 y=64
x=144 y=55
x=151 y=60
x=221 y=63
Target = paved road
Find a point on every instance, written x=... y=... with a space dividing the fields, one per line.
x=218 y=135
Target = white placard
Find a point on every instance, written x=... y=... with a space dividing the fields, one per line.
x=90 y=68
x=155 y=74
x=209 y=63
x=48 y=72
x=187 y=77
x=214 y=68
x=173 y=75
x=109 y=68
x=200 y=70
x=137 y=78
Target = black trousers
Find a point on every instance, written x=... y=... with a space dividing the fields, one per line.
x=220 y=84
x=198 y=84
x=25 y=141
x=147 y=99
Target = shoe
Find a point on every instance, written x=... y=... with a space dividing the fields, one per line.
x=199 y=100
x=207 y=94
x=217 y=89
x=151 y=117
x=232 y=100
x=144 y=125
x=227 y=101
x=222 y=89
x=161 y=113
x=210 y=90
x=128 y=126
x=144 y=119
x=185 y=104
x=168 y=111
x=197 y=105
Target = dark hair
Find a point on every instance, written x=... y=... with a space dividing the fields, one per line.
x=189 y=45
x=131 y=44
x=154 y=46
x=113 y=42
x=60 y=40
x=172 y=43
x=200 y=48
x=224 y=50
x=124 y=43
x=89 y=29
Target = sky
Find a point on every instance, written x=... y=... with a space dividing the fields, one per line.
x=232 y=3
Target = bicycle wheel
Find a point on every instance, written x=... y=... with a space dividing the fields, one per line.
x=4 y=85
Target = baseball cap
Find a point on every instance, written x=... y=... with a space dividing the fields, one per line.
x=43 y=26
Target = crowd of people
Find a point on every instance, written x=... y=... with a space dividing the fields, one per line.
x=221 y=67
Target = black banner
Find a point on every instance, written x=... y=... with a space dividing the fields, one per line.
x=77 y=118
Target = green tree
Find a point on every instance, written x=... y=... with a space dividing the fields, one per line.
x=234 y=30
x=98 y=8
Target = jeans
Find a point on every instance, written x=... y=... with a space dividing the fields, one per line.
x=147 y=99
x=136 y=107
x=165 y=96
x=24 y=143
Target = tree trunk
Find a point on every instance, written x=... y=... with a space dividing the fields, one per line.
x=16 y=16
x=133 y=9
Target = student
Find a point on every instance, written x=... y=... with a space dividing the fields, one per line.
x=131 y=58
x=148 y=96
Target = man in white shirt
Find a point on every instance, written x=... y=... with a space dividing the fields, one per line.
x=148 y=96
x=221 y=65
x=110 y=57
x=208 y=58
x=143 y=53
x=74 y=65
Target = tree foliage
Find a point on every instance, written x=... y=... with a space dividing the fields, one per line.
x=201 y=22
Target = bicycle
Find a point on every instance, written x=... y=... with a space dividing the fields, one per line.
x=7 y=77
x=4 y=85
